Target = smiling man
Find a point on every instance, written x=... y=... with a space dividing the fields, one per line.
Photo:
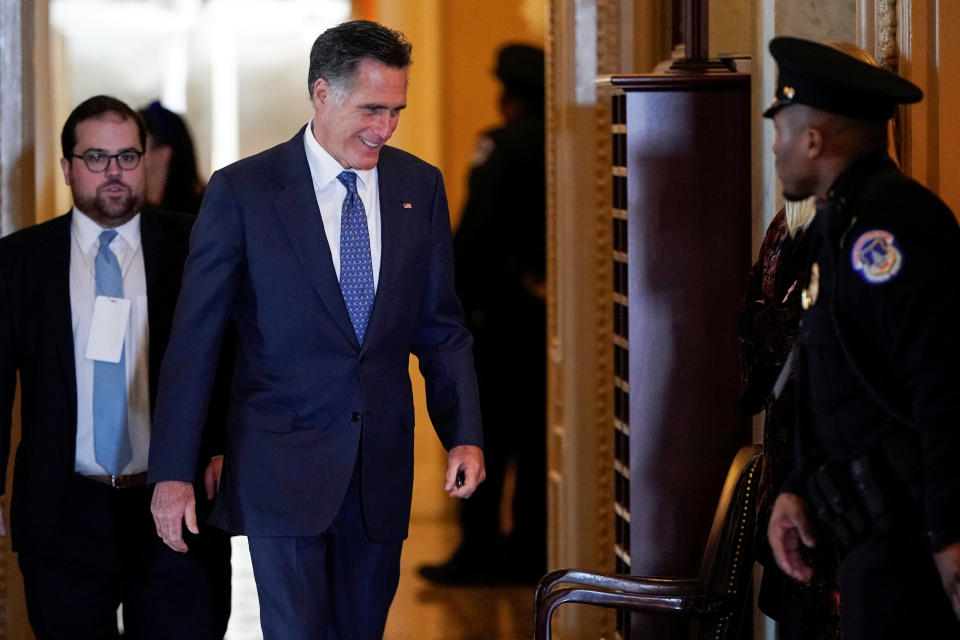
x=331 y=256
x=87 y=302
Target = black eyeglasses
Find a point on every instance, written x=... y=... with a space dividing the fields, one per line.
x=98 y=161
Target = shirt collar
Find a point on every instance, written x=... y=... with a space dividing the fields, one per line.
x=88 y=232
x=324 y=168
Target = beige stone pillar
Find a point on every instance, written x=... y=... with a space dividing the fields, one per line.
x=17 y=210
x=586 y=38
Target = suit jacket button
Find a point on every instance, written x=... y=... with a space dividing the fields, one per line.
x=355 y=416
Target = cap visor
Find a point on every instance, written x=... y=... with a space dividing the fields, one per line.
x=775 y=106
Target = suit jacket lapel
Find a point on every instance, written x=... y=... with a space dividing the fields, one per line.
x=392 y=241
x=53 y=267
x=296 y=206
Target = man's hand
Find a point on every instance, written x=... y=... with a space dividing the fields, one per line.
x=211 y=476
x=173 y=505
x=468 y=459
x=948 y=564
x=3 y=525
x=789 y=528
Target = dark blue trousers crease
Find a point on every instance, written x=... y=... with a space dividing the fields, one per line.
x=334 y=586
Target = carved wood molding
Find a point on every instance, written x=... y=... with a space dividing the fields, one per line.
x=609 y=57
x=608 y=61
x=887 y=37
x=555 y=379
x=884 y=30
x=900 y=33
x=887 y=52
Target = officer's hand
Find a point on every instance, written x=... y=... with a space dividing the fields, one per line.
x=948 y=564
x=789 y=528
x=173 y=505
x=467 y=459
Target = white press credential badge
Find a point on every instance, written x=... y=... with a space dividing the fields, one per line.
x=108 y=328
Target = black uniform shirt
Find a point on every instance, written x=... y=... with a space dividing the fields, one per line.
x=881 y=336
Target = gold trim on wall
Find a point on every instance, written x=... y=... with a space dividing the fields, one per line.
x=880 y=33
x=608 y=61
x=555 y=378
x=886 y=50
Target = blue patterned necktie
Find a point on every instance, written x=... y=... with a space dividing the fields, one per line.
x=356 y=266
x=110 y=438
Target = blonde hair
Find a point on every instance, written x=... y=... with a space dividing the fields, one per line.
x=799 y=213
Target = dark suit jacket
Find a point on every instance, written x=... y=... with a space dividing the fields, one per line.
x=36 y=339
x=306 y=396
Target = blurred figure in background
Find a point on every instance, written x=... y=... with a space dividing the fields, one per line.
x=173 y=181
x=499 y=251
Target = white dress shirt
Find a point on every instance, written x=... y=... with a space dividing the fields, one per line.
x=330 y=194
x=83 y=291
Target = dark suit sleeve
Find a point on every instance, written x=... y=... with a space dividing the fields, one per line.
x=214 y=441
x=443 y=345
x=210 y=279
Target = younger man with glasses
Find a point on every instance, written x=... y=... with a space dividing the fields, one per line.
x=86 y=304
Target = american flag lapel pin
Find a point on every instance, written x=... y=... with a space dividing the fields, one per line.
x=406 y=205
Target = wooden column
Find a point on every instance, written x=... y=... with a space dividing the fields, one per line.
x=681 y=252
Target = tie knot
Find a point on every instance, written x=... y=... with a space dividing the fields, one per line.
x=349 y=180
x=106 y=237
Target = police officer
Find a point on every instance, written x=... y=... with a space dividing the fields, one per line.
x=499 y=251
x=878 y=355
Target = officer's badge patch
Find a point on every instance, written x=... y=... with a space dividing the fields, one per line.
x=876 y=256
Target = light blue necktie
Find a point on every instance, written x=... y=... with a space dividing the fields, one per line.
x=110 y=438
x=356 y=267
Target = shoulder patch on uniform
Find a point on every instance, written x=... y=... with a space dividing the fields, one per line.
x=876 y=256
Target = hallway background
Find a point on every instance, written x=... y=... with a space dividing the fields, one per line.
x=452 y=97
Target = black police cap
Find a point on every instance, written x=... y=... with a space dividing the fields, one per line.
x=820 y=76
x=520 y=69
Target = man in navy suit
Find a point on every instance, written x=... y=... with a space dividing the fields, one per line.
x=81 y=519
x=331 y=256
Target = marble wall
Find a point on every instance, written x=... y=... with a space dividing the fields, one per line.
x=817 y=19
x=730 y=27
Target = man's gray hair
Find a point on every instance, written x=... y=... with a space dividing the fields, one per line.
x=337 y=53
